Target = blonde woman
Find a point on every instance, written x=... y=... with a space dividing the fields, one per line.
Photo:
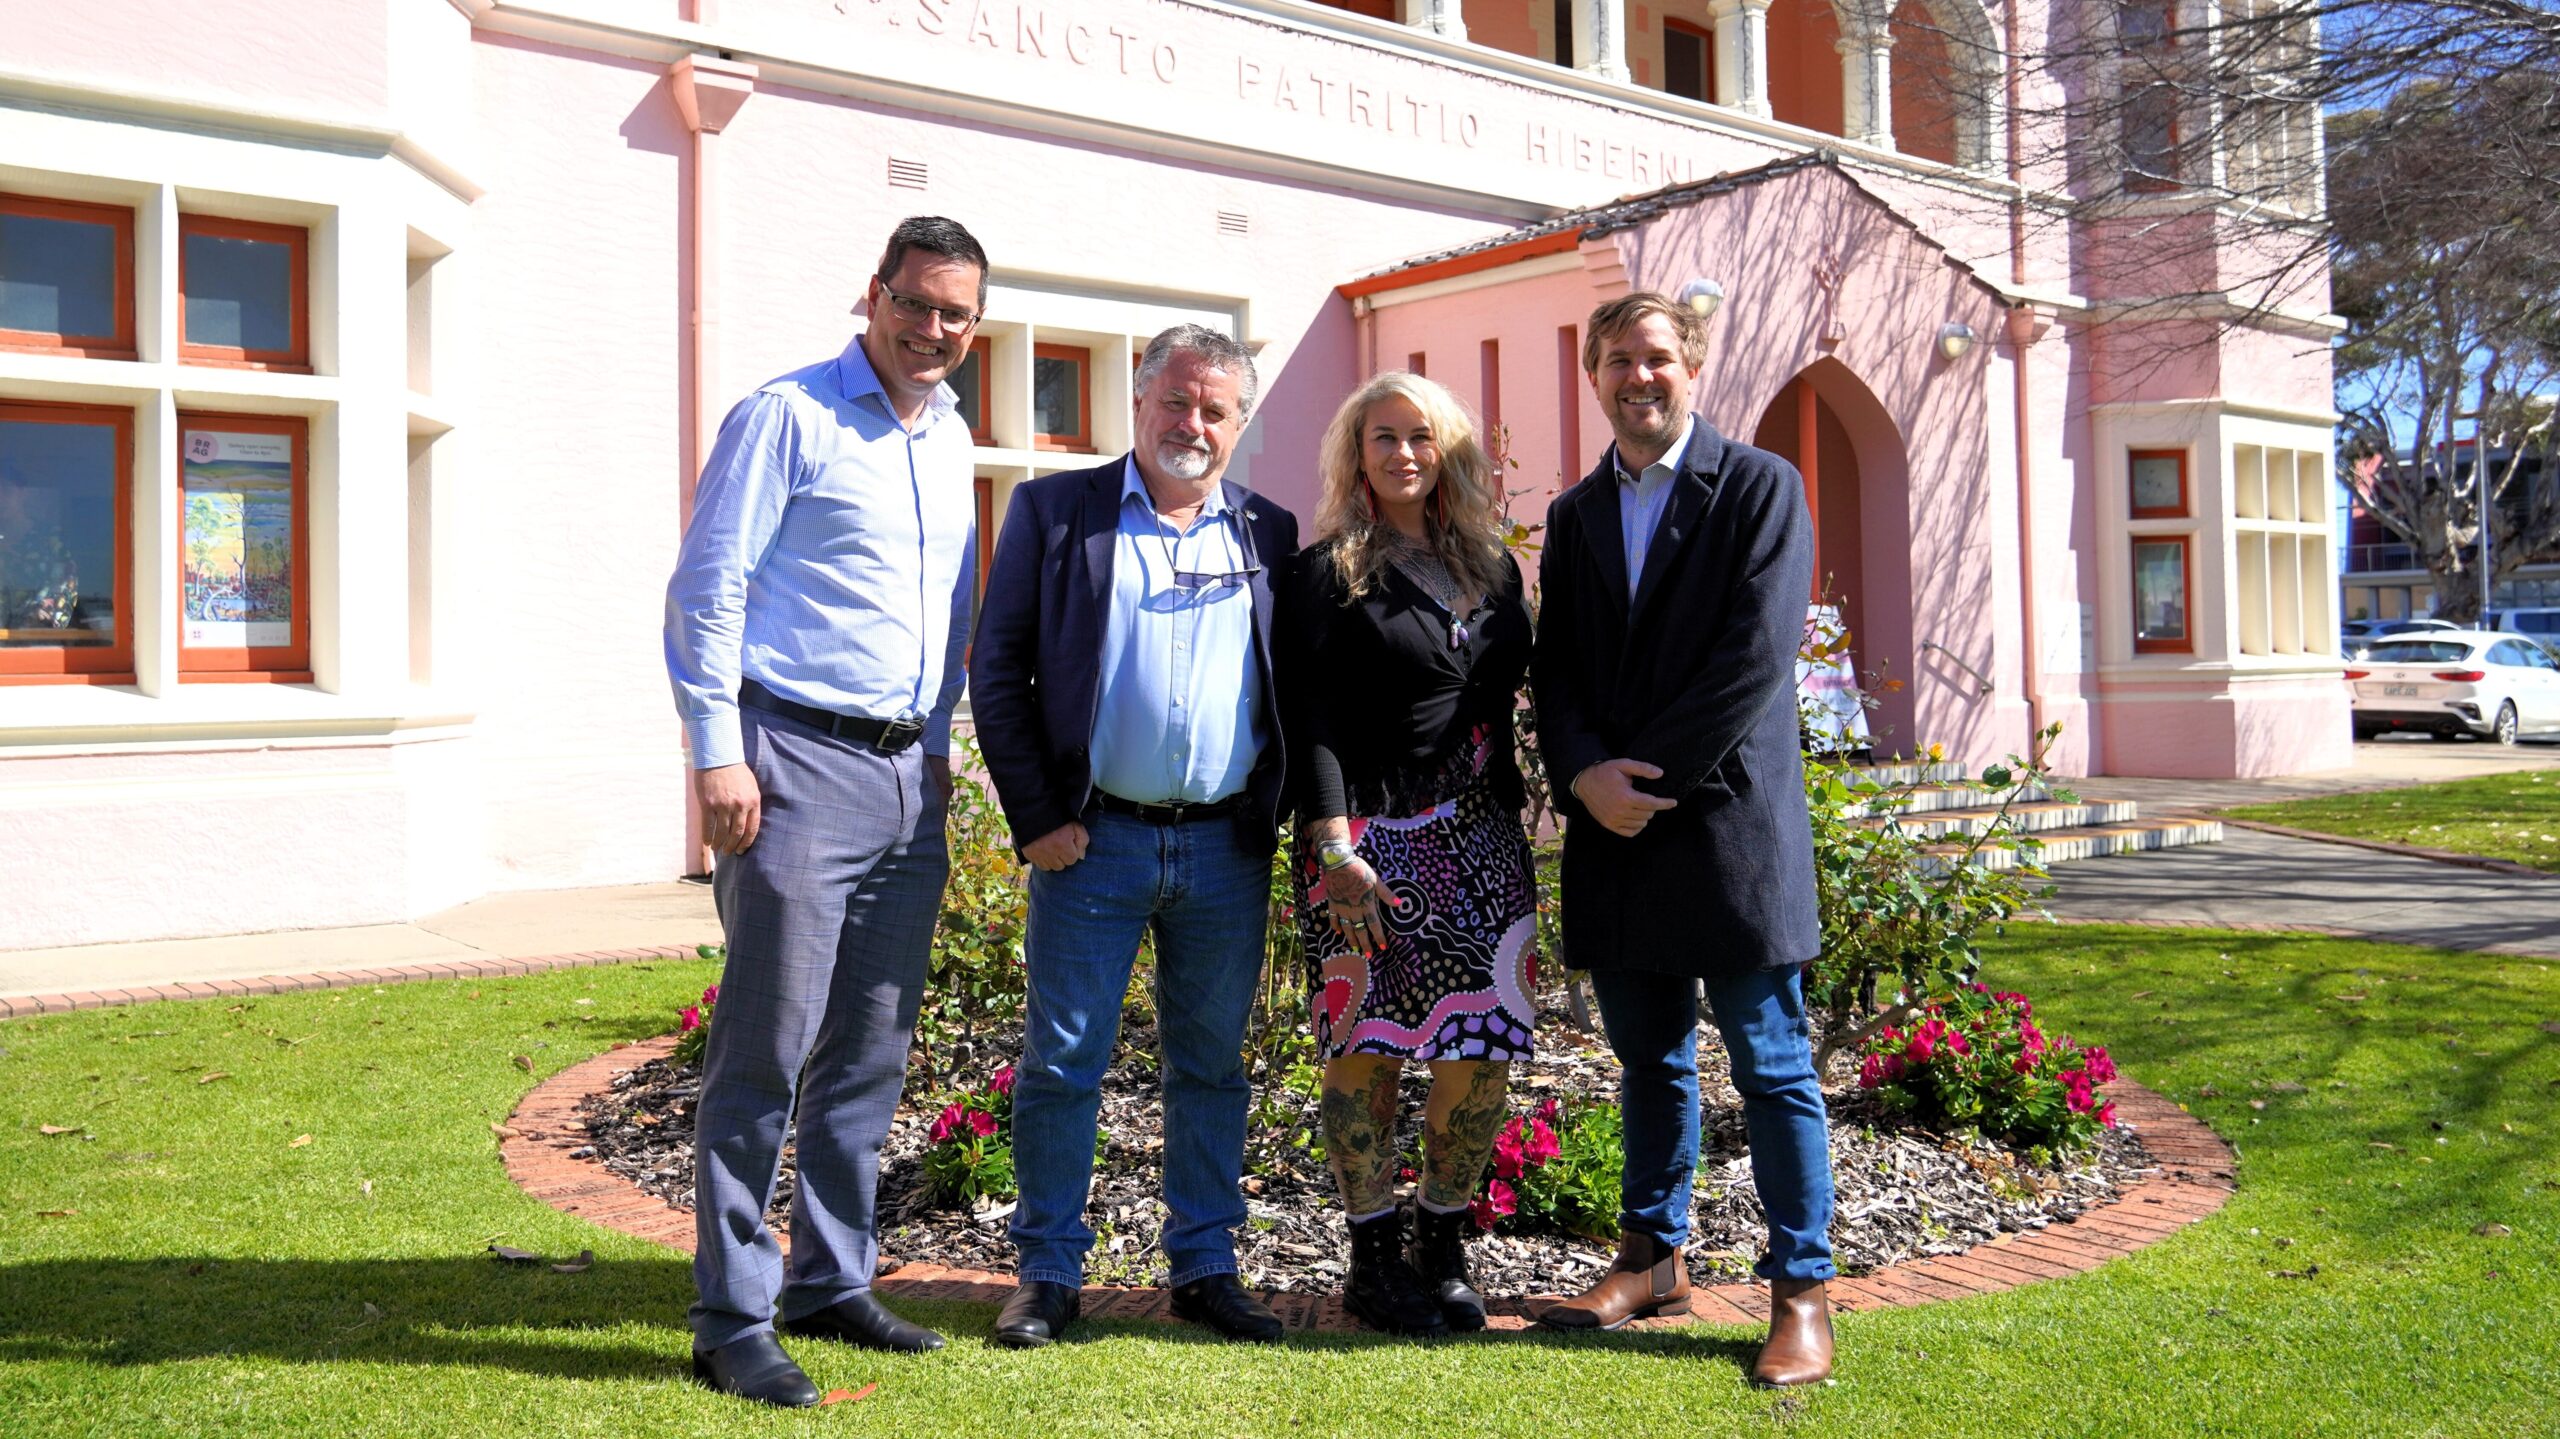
x=1404 y=639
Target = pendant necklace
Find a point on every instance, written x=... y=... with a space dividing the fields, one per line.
x=1424 y=568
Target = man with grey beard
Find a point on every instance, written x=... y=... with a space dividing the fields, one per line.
x=1123 y=693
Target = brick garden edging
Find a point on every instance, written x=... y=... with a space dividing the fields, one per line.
x=26 y=1005
x=2195 y=1180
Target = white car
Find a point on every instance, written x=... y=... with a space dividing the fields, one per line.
x=2451 y=683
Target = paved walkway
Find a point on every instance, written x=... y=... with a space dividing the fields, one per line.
x=2252 y=879
x=538 y=923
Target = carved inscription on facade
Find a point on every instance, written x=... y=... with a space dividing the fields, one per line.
x=1341 y=96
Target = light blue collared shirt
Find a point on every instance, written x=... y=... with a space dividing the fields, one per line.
x=831 y=558
x=1642 y=499
x=1180 y=713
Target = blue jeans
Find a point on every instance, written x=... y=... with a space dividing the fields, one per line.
x=1205 y=897
x=1652 y=1021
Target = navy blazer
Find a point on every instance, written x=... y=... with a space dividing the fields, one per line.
x=1696 y=675
x=1036 y=668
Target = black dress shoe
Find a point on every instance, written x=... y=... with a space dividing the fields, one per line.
x=755 y=1368
x=1221 y=1302
x=860 y=1319
x=1038 y=1312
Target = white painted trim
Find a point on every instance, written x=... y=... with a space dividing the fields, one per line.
x=2237 y=409
x=1528 y=269
x=318 y=127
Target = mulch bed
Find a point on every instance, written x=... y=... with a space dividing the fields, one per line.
x=1902 y=1193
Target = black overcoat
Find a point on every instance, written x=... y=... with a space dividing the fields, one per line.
x=1696 y=675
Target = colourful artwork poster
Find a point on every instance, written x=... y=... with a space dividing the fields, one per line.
x=239 y=539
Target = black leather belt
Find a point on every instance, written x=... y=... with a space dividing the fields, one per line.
x=1178 y=812
x=886 y=736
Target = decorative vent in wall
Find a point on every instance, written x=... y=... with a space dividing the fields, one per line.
x=906 y=174
x=1234 y=222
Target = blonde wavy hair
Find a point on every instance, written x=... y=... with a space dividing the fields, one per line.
x=1464 y=516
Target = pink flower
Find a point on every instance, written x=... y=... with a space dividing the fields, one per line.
x=1894 y=1067
x=2024 y=1063
x=1957 y=1043
x=1921 y=1049
x=1871 y=1073
x=711 y=996
x=2101 y=1068
x=1498 y=1204
x=688 y=1020
x=953 y=1118
x=1550 y=1111
x=1982 y=989
x=2033 y=1036
x=981 y=1123
x=2107 y=1114
x=1542 y=1145
x=1507 y=1158
x=1001 y=1082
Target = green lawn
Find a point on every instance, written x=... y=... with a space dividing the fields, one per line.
x=215 y=1277
x=2503 y=816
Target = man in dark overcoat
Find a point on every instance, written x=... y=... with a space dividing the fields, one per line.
x=1675 y=580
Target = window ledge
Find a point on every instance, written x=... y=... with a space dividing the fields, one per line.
x=80 y=719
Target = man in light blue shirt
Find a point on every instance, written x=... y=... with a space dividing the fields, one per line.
x=1122 y=684
x=816 y=624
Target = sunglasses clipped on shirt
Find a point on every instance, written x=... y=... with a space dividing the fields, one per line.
x=1219 y=580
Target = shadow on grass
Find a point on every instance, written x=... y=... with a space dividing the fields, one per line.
x=474 y=1313
x=460 y=1312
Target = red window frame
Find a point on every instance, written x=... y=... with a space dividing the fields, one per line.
x=295 y=360
x=288 y=663
x=1706 y=57
x=1080 y=440
x=2184 y=644
x=984 y=487
x=2142 y=181
x=983 y=432
x=2153 y=512
x=118 y=346
x=86 y=664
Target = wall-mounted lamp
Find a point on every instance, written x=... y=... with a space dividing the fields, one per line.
x=1702 y=296
x=1954 y=338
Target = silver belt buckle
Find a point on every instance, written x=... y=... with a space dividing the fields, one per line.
x=899 y=733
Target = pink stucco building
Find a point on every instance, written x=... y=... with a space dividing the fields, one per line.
x=355 y=356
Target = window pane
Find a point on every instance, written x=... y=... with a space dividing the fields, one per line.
x=2158 y=485
x=2145 y=22
x=57 y=534
x=2151 y=137
x=57 y=277
x=238 y=546
x=2160 y=590
x=1057 y=397
x=239 y=293
x=969 y=384
x=1684 y=64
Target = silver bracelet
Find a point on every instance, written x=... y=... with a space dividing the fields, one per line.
x=1334 y=853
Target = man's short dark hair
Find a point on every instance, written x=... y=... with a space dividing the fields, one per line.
x=935 y=236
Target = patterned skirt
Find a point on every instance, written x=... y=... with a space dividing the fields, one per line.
x=1459 y=968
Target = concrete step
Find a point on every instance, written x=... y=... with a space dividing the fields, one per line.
x=1901 y=772
x=2062 y=846
x=2036 y=817
x=1941 y=798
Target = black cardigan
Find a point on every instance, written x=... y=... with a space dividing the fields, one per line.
x=1372 y=687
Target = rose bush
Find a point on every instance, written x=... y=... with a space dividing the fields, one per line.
x=1973 y=1059
x=971 y=1153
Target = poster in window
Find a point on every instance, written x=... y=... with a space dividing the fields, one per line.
x=238 y=545
x=2160 y=593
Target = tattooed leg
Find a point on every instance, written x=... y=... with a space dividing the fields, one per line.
x=1360 y=1129
x=1459 y=1128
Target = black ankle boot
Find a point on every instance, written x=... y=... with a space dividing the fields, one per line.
x=1440 y=1262
x=1382 y=1290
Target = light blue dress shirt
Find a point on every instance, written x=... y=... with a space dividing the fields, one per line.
x=832 y=558
x=1642 y=499
x=1180 y=711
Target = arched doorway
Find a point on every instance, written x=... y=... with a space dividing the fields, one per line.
x=1857 y=483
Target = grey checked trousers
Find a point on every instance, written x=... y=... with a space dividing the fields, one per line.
x=830 y=917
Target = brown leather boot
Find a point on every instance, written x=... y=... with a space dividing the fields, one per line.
x=1649 y=1278
x=1799 y=1347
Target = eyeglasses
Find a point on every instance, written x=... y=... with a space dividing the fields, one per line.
x=1221 y=580
x=913 y=310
